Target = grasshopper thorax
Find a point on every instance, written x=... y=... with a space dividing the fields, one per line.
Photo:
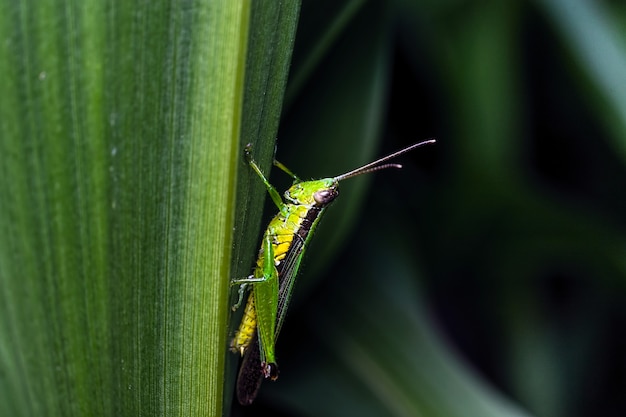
x=318 y=193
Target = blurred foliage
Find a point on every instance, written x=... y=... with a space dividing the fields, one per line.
x=487 y=277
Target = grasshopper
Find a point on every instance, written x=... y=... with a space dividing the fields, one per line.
x=284 y=242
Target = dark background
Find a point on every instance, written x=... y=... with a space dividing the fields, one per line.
x=510 y=230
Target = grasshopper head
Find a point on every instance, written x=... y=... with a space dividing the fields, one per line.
x=313 y=193
x=320 y=193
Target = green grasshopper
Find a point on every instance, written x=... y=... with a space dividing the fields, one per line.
x=284 y=243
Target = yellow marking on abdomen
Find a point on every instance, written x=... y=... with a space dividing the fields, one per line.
x=245 y=334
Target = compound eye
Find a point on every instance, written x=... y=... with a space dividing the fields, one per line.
x=323 y=197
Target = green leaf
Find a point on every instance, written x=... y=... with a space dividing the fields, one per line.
x=120 y=140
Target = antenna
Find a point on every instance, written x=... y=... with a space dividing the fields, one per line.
x=375 y=166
